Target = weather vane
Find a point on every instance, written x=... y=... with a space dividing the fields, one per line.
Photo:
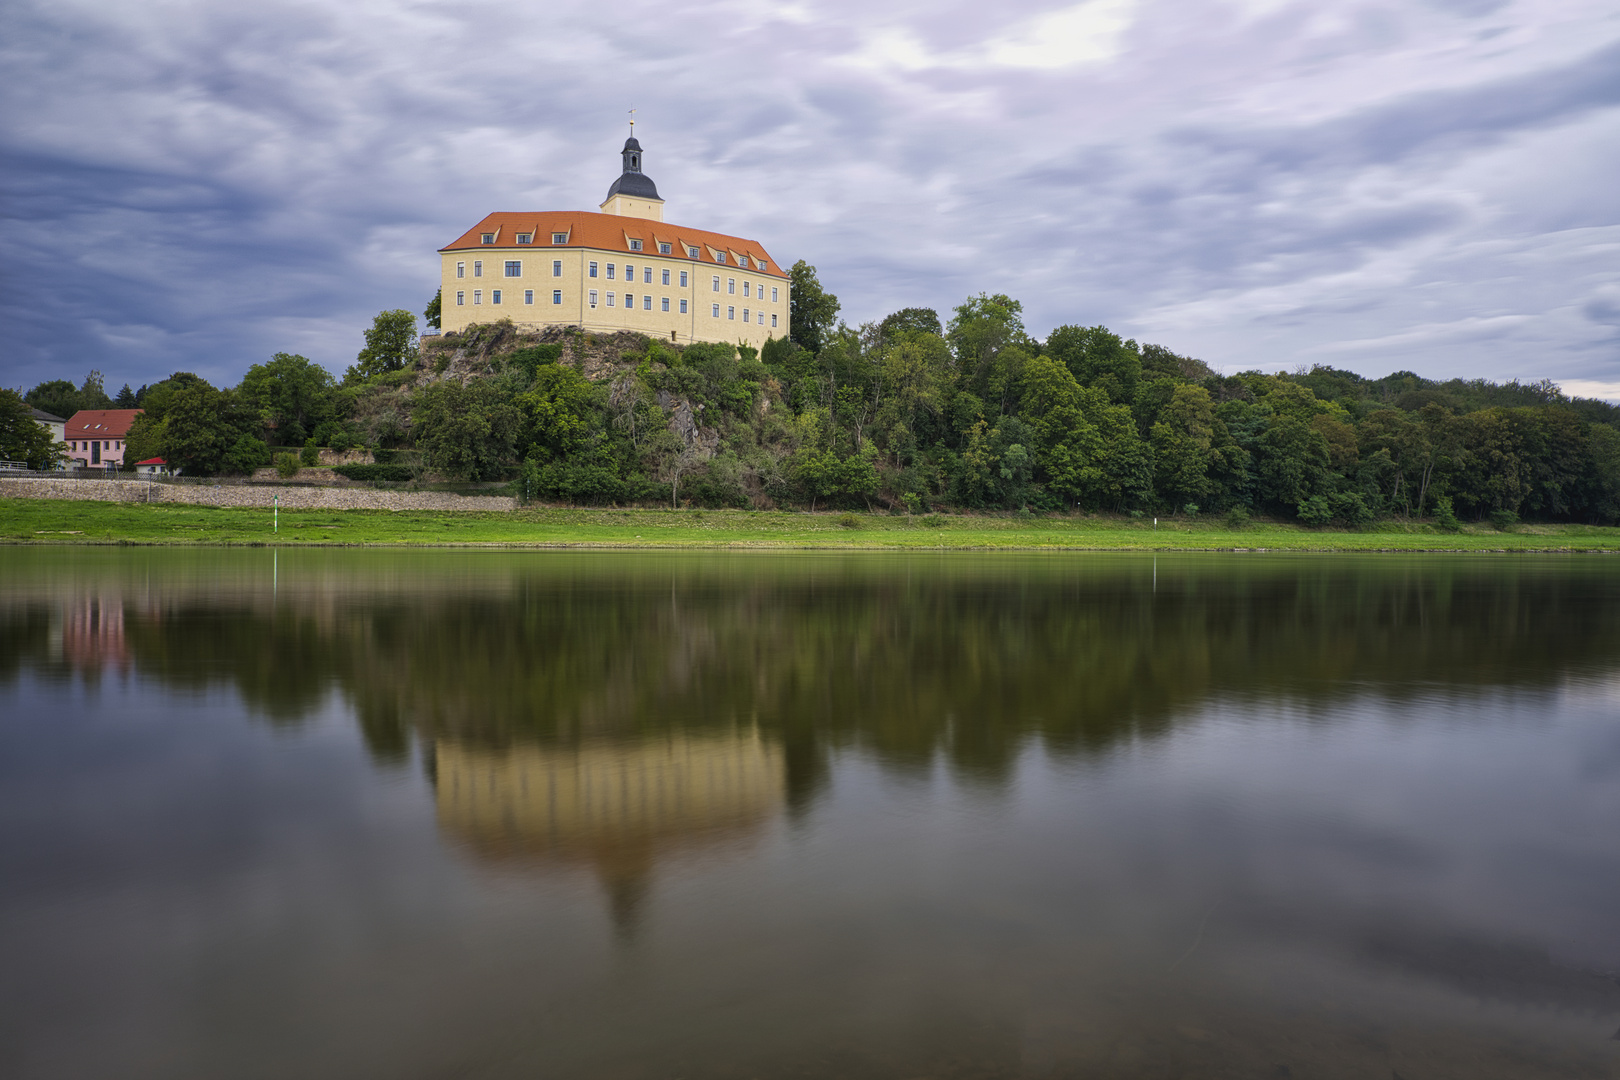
x=632 y=121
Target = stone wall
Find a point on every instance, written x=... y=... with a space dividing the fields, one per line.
x=292 y=498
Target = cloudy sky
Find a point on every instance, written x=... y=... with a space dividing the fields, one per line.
x=1431 y=185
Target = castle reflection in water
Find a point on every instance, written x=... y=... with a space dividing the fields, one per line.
x=617 y=806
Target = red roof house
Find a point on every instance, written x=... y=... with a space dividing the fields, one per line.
x=95 y=437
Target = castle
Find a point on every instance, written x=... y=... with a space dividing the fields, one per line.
x=621 y=269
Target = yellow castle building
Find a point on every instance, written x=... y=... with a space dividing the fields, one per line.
x=624 y=268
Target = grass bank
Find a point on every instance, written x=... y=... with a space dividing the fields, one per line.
x=53 y=521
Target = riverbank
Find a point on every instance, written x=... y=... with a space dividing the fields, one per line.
x=40 y=521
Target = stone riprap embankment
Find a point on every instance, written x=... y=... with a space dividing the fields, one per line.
x=291 y=498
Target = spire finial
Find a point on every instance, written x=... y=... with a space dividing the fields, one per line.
x=632 y=123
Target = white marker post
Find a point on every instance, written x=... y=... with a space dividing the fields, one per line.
x=276 y=515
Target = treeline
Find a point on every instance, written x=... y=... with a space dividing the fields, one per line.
x=914 y=412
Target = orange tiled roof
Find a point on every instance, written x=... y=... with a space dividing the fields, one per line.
x=611 y=232
x=101 y=423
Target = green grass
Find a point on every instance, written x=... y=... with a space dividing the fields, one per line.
x=53 y=521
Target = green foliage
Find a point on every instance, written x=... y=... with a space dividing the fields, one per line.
x=849 y=521
x=1503 y=520
x=246 y=454
x=811 y=308
x=1444 y=516
x=1237 y=518
x=61 y=398
x=310 y=455
x=469 y=432
x=390 y=345
x=434 y=310
x=292 y=396
x=287 y=466
x=21 y=437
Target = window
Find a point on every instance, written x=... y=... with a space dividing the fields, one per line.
x=773 y=294
x=635 y=245
x=761 y=318
x=692 y=253
x=731 y=285
x=495 y=296
x=461 y=298
x=716 y=310
x=646 y=302
x=742 y=261
x=524 y=238
x=683 y=279
x=556 y=296
x=609 y=299
x=761 y=264
x=630 y=300
x=665 y=303
x=683 y=307
x=646 y=275
x=612 y=269
x=461 y=269
x=478 y=296
x=528 y=296
x=731 y=313
x=559 y=238
x=665 y=249
x=745 y=288
x=593 y=298
x=717 y=284
x=666 y=278
x=514 y=268
x=556 y=268
x=719 y=256
x=488 y=238
x=629 y=272
x=478 y=268
x=593 y=269
x=745 y=314
x=773 y=320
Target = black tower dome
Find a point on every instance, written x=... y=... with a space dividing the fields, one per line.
x=633 y=182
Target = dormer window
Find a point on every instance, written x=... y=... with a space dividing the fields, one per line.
x=559 y=238
x=524 y=238
x=635 y=245
x=761 y=264
x=742 y=261
x=664 y=249
x=487 y=238
x=719 y=256
x=691 y=253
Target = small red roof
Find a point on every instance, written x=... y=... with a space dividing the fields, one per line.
x=152 y=461
x=612 y=232
x=101 y=423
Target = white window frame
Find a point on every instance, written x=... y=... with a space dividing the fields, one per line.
x=720 y=257
x=556 y=268
x=731 y=313
x=629 y=271
x=559 y=238
x=528 y=296
x=612 y=271
x=646 y=275
x=665 y=249
x=683 y=305
x=478 y=268
x=461 y=269
x=525 y=238
x=664 y=302
x=593 y=269
x=742 y=261
x=635 y=245
x=487 y=238
x=478 y=296
x=556 y=297
x=745 y=315
x=714 y=311
x=773 y=295
x=773 y=319
x=646 y=301
x=746 y=283
x=692 y=252
x=514 y=267
x=593 y=298
x=731 y=286
x=461 y=299
x=494 y=296
x=717 y=283
x=683 y=279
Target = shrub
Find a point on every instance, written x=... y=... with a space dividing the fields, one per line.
x=913 y=503
x=933 y=521
x=1504 y=519
x=1237 y=518
x=310 y=455
x=1191 y=510
x=1445 y=518
x=1315 y=511
x=341 y=440
x=247 y=454
x=287 y=465
x=849 y=521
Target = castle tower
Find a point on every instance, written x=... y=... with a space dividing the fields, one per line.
x=633 y=194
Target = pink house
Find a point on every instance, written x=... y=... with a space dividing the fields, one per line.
x=95 y=437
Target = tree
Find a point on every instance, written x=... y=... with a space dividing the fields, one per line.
x=812 y=309
x=1097 y=357
x=22 y=438
x=126 y=398
x=916 y=320
x=466 y=431
x=291 y=395
x=390 y=345
x=61 y=398
x=1182 y=440
x=197 y=429
x=434 y=310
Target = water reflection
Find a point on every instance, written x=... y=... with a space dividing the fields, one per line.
x=616 y=805
x=900 y=815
